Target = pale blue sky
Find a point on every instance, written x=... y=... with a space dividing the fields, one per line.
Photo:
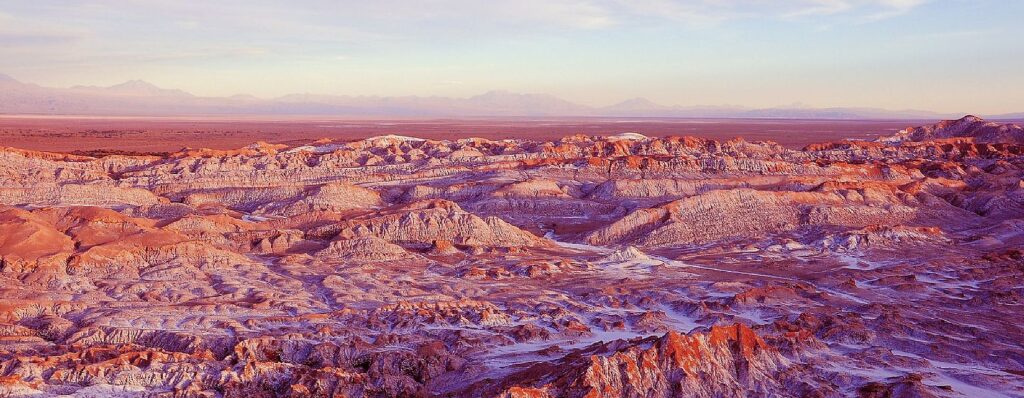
x=941 y=55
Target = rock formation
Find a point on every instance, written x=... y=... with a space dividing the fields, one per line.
x=623 y=266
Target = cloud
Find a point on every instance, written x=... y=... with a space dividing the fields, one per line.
x=17 y=32
x=353 y=23
x=212 y=31
x=34 y=40
x=892 y=8
x=707 y=12
x=575 y=14
x=481 y=16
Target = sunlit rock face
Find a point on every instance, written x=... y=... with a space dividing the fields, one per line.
x=623 y=266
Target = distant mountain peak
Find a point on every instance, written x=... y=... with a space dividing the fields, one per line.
x=244 y=97
x=133 y=88
x=639 y=101
x=143 y=88
x=6 y=78
x=136 y=84
x=502 y=101
x=503 y=94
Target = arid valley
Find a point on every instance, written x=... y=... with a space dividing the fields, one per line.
x=629 y=263
x=512 y=199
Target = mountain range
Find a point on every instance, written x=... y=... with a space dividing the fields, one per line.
x=140 y=98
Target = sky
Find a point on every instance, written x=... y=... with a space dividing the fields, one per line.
x=939 y=55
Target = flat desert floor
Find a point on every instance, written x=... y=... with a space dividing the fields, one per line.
x=140 y=134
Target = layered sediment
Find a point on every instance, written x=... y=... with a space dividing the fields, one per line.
x=624 y=266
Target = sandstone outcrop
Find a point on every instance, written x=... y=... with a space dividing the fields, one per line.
x=969 y=127
x=724 y=361
x=621 y=266
x=368 y=248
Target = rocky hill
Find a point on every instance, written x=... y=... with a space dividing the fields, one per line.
x=621 y=266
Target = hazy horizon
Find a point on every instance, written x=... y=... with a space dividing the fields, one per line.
x=143 y=99
x=939 y=56
x=142 y=84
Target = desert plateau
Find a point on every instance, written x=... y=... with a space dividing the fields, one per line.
x=583 y=266
x=512 y=199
